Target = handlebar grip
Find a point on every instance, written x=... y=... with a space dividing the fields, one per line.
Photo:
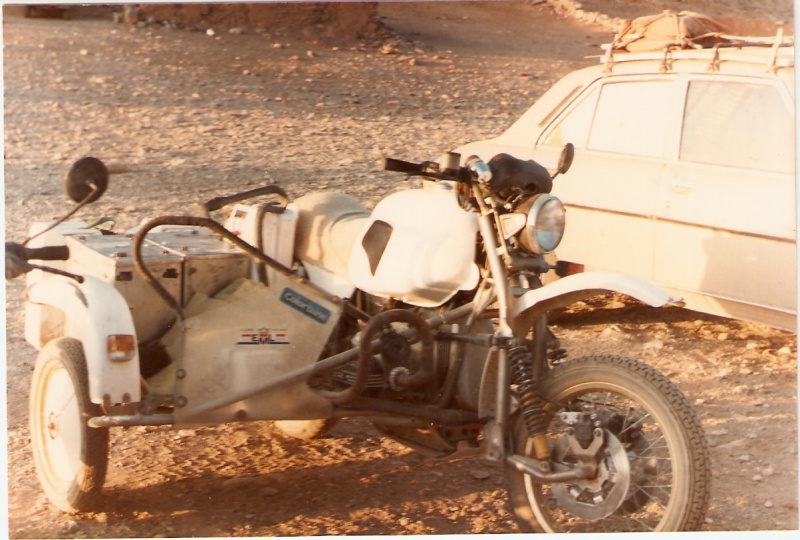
x=48 y=253
x=398 y=165
x=219 y=202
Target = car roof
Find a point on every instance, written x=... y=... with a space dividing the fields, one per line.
x=753 y=57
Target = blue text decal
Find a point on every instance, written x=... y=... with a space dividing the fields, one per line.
x=305 y=306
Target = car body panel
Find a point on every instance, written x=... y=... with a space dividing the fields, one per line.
x=690 y=184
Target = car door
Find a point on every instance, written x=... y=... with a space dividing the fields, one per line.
x=620 y=127
x=726 y=211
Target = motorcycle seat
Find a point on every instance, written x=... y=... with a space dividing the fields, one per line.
x=327 y=227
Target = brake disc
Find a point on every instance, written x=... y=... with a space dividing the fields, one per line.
x=599 y=497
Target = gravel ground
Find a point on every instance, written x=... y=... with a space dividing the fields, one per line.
x=188 y=116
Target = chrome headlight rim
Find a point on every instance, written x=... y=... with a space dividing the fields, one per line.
x=540 y=207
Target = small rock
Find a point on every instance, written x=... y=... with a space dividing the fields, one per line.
x=785 y=351
x=269 y=491
x=719 y=432
x=744 y=458
x=71 y=527
x=768 y=504
x=758 y=478
x=722 y=336
x=310 y=54
x=699 y=401
x=239 y=482
x=751 y=345
x=404 y=522
x=656 y=344
x=733 y=444
x=102 y=517
x=210 y=32
x=84 y=52
x=768 y=471
x=235 y=31
x=709 y=521
x=115 y=167
x=479 y=474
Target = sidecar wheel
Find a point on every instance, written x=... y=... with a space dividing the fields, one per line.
x=654 y=470
x=71 y=458
x=306 y=429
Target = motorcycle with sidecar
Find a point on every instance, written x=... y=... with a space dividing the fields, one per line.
x=426 y=315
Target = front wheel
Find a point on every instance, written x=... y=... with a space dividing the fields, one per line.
x=653 y=468
x=71 y=458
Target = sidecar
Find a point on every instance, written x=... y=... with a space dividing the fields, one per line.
x=228 y=342
x=114 y=350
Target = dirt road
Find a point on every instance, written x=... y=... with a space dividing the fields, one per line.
x=190 y=116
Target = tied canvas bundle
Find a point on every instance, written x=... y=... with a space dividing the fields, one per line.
x=685 y=29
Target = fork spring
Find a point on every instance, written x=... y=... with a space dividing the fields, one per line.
x=531 y=403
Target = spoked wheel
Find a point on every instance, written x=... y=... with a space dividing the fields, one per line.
x=71 y=458
x=652 y=462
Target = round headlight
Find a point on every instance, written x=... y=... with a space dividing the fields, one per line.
x=545 y=225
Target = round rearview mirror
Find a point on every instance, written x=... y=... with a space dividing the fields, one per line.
x=86 y=180
x=565 y=161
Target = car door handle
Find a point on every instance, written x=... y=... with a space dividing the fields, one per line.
x=681 y=189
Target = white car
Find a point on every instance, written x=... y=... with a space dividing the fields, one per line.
x=684 y=172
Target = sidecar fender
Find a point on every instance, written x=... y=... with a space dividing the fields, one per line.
x=571 y=289
x=93 y=310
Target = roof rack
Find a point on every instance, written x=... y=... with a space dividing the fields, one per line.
x=688 y=46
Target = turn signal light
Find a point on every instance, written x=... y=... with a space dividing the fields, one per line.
x=121 y=347
x=566 y=268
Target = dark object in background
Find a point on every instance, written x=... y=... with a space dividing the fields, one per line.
x=47 y=11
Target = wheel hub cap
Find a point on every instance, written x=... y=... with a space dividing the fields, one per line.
x=598 y=497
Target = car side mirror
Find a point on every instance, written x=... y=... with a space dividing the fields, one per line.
x=565 y=159
x=86 y=180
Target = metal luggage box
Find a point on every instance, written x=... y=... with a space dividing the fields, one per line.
x=185 y=260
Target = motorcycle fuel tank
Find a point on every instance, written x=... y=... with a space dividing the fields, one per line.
x=418 y=247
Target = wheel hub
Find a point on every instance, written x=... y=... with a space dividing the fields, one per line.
x=597 y=497
x=52 y=426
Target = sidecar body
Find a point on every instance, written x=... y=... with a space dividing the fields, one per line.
x=237 y=333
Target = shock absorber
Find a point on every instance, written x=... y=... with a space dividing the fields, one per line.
x=531 y=403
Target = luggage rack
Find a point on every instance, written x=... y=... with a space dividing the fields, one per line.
x=693 y=51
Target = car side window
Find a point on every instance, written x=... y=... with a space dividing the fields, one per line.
x=739 y=125
x=633 y=117
x=573 y=127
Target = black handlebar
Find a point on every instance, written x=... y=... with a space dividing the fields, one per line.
x=428 y=169
x=48 y=253
x=219 y=202
x=398 y=165
x=17 y=257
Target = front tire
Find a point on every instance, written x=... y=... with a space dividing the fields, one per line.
x=649 y=422
x=71 y=458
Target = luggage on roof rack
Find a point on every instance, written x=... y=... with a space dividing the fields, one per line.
x=683 y=30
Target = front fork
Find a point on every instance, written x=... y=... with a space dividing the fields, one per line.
x=516 y=364
x=523 y=367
